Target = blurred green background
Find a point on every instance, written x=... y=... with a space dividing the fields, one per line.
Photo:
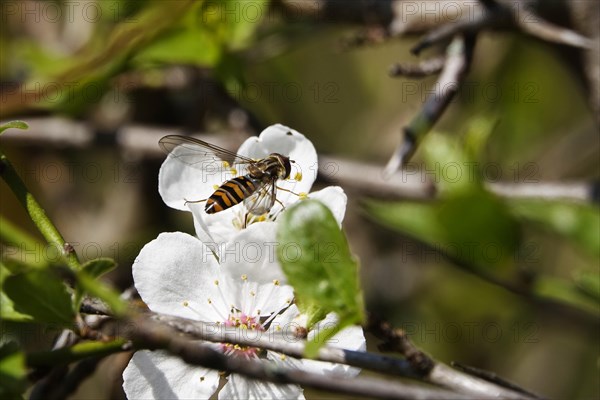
x=232 y=68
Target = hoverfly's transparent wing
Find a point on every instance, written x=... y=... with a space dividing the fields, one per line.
x=204 y=156
x=263 y=199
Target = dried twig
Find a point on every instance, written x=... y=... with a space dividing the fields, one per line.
x=152 y=335
x=417 y=365
x=423 y=69
x=493 y=377
x=397 y=340
x=433 y=371
x=458 y=59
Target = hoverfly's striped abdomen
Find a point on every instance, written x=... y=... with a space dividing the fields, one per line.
x=232 y=192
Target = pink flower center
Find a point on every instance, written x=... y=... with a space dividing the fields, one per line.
x=242 y=321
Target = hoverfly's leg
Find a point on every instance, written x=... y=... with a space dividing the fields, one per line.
x=281 y=204
x=193 y=201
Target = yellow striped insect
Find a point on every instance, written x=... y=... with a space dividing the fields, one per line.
x=256 y=185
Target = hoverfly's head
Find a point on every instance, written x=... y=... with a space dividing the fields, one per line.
x=286 y=165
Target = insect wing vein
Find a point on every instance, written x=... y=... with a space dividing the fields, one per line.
x=263 y=199
x=205 y=156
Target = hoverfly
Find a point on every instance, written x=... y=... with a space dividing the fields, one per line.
x=255 y=185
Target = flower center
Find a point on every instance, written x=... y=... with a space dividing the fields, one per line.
x=238 y=220
x=244 y=322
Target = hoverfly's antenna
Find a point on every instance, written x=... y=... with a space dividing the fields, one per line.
x=289 y=191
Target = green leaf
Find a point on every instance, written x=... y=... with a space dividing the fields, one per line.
x=479 y=229
x=450 y=164
x=577 y=222
x=7 y=308
x=87 y=284
x=98 y=267
x=184 y=46
x=473 y=226
x=565 y=292
x=588 y=282
x=14 y=124
x=41 y=295
x=316 y=259
x=12 y=371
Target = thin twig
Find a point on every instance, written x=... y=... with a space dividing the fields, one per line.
x=458 y=58
x=532 y=24
x=433 y=371
x=494 y=378
x=423 y=69
x=397 y=340
x=290 y=346
x=506 y=16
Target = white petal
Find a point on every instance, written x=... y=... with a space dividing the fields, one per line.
x=175 y=274
x=252 y=254
x=157 y=375
x=178 y=182
x=335 y=199
x=238 y=387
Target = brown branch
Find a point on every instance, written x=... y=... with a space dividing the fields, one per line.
x=423 y=69
x=152 y=335
x=417 y=365
x=494 y=378
x=458 y=58
x=532 y=24
x=397 y=340
x=365 y=179
x=435 y=372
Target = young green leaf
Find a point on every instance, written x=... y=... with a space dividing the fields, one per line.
x=87 y=284
x=13 y=377
x=316 y=259
x=588 y=282
x=7 y=307
x=577 y=222
x=41 y=295
x=473 y=226
x=99 y=266
x=13 y=124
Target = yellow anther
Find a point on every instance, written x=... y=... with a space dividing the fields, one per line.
x=262 y=218
x=276 y=282
x=298 y=176
x=282 y=357
x=244 y=277
x=225 y=164
x=233 y=171
x=252 y=293
x=302 y=195
x=215 y=187
x=209 y=301
x=217 y=282
x=185 y=304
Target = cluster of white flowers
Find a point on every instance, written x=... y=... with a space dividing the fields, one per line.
x=228 y=274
